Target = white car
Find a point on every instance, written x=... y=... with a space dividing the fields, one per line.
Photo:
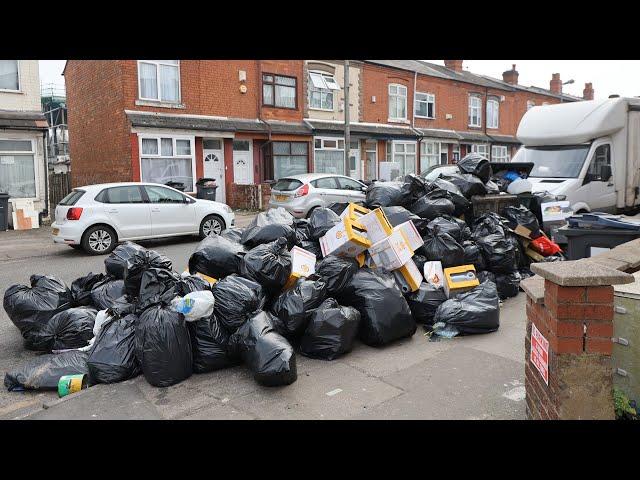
x=300 y=194
x=97 y=217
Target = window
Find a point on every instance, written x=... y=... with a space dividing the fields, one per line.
x=348 y=184
x=289 y=158
x=279 y=91
x=329 y=182
x=163 y=195
x=321 y=88
x=129 y=194
x=425 y=105
x=329 y=155
x=9 y=77
x=475 y=111
x=17 y=168
x=159 y=80
x=404 y=154
x=601 y=158
x=72 y=198
x=167 y=159
x=286 y=185
x=481 y=149
x=499 y=153
x=493 y=113
x=429 y=153
x=397 y=102
x=530 y=104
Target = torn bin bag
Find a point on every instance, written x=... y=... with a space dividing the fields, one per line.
x=81 y=288
x=336 y=272
x=434 y=204
x=43 y=372
x=321 y=221
x=29 y=308
x=267 y=353
x=293 y=308
x=216 y=257
x=105 y=294
x=71 y=328
x=210 y=344
x=254 y=236
x=163 y=346
x=442 y=247
x=236 y=299
x=268 y=264
x=385 y=315
x=424 y=302
x=112 y=358
x=331 y=331
x=475 y=311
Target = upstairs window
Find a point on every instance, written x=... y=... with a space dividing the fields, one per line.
x=397 y=102
x=425 y=105
x=9 y=78
x=279 y=91
x=493 y=113
x=321 y=88
x=475 y=111
x=159 y=80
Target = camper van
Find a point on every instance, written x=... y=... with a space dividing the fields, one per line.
x=587 y=151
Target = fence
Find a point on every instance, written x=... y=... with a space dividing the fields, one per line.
x=59 y=187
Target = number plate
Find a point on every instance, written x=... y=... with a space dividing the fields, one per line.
x=55 y=231
x=282 y=198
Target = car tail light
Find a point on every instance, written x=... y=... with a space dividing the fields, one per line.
x=74 y=213
x=302 y=191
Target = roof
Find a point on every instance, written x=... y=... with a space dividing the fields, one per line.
x=23 y=120
x=373 y=130
x=574 y=123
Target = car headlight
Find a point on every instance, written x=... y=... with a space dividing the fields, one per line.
x=228 y=209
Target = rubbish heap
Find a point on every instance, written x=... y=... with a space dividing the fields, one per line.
x=259 y=295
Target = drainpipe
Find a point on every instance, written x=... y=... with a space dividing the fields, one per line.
x=45 y=213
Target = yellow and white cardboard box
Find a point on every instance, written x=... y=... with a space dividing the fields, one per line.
x=347 y=238
x=408 y=277
x=410 y=232
x=303 y=264
x=391 y=252
x=354 y=212
x=377 y=226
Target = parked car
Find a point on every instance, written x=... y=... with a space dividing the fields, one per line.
x=300 y=194
x=97 y=217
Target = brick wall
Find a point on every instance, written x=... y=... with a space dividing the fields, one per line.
x=375 y=82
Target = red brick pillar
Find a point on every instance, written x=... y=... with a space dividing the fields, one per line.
x=570 y=323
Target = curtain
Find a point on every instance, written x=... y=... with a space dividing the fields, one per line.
x=9 y=75
x=329 y=161
x=148 y=80
x=169 y=83
x=163 y=170
x=287 y=165
x=18 y=176
x=285 y=96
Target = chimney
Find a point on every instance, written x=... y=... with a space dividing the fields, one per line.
x=555 y=85
x=455 y=65
x=511 y=76
x=587 y=93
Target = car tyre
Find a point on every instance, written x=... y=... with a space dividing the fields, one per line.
x=99 y=240
x=211 y=225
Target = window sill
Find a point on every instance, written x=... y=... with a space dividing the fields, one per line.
x=154 y=103
x=4 y=90
x=398 y=120
x=426 y=118
x=493 y=128
x=279 y=108
x=475 y=126
x=322 y=109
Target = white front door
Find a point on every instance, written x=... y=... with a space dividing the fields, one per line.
x=354 y=163
x=242 y=162
x=213 y=156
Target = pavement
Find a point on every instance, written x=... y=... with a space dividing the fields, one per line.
x=475 y=377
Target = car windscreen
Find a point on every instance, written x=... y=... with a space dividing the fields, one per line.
x=287 y=185
x=555 y=161
x=72 y=198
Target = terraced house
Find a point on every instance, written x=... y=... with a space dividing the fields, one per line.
x=249 y=122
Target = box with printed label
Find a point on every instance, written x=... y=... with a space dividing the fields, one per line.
x=303 y=264
x=410 y=232
x=391 y=252
x=347 y=238
x=408 y=277
x=459 y=279
x=354 y=211
x=376 y=224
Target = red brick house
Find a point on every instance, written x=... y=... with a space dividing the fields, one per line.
x=247 y=122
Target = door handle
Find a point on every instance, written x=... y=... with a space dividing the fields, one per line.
x=113 y=210
x=155 y=209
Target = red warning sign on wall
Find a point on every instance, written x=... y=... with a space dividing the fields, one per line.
x=540 y=353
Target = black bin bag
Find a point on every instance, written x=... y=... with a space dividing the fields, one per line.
x=293 y=307
x=400 y=215
x=477 y=165
x=233 y=234
x=521 y=216
x=321 y=221
x=500 y=253
x=105 y=294
x=268 y=264
x=163 y=346
x=268 y=354
x=258 y=235
x=336 y=272
x=210 y=345
x=81 y=288
x=112 y=357
x=236 y=299
x=191 y=283
x=415 y=186
x=424 y=302
x=485 y=275
x=44 y=371
x=385 y=315
x=31 y=307
x=387 y=194
x=157 y=285
x=71 y=328
x=137 y=265
x=331 y=331
x=473 y=255
x=475 y=311
x=508 y=284
x=442 y=247
x=312 y=246
x=453 y=226
x=468 y=184
x=488 y=224
x=434 y=204
x=116 y=263
x=460 y=202
x=216 y=257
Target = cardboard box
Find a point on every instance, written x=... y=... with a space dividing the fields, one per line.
x=533 y=255
x=410 y=232
x=433 y=273
x=347 y=238
x=391 y=252
x=206 y=278
x=408 y=277
x=303 y=264
x=377 y=226
x=459 y=279
x=354 y=212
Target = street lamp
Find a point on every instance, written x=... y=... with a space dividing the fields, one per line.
x=568 y=82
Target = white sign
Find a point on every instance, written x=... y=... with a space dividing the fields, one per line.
x=540 y=353
x=555 y=211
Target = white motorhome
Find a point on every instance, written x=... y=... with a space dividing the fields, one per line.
x=588 y=151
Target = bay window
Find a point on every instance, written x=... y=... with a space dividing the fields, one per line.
x=159 y=80
x=17 y=168
x=167 y=159
x=279 y=91
x=429 y=153
x=493 y=113
x=329 y=155
x=475 y=111
x=9 y=77
x=425 y=105
x=481 y=149
x=499 y=153
x=289 y=158
x=397 y=102
x=321 y=88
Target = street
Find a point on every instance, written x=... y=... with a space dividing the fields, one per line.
x=475 y=377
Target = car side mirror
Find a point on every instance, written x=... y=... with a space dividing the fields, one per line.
x=605 y=173
x=364 y=188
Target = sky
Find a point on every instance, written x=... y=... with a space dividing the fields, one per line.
x=609 y=77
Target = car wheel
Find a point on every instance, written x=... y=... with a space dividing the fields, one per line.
x=211 y=225
x=99 y=240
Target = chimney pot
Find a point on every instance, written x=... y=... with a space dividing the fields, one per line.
x=455 y=65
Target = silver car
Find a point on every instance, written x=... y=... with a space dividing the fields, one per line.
x=300 y=194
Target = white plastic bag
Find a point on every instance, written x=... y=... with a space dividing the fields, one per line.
x=102 y=317
x=433 y=274
x=194 y=305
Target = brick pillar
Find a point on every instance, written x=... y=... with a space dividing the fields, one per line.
x=573 y=311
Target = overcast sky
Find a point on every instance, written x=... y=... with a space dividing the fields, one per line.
x=608 y=76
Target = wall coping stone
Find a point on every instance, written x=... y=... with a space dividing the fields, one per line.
x=534 y=288
x=580 y=273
